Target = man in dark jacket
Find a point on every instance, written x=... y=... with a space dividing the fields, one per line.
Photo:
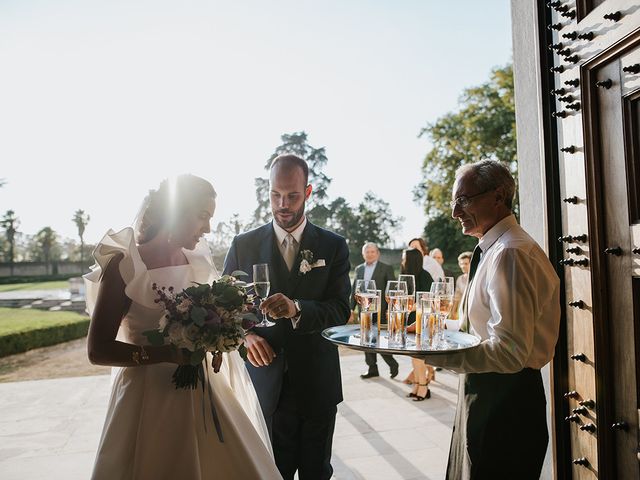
x=381 y=273
x=296 y=372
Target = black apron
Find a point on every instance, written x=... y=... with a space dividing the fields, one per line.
x=500 y=429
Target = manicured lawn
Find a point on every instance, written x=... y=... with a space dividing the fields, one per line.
x=55 y=285
x=24 y=329
x=14 y=320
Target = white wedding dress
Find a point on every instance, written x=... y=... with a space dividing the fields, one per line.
x=152 y=430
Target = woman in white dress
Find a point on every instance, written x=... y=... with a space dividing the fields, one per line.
x=152 y=430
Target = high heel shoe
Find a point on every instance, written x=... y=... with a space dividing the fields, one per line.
x=420 y=398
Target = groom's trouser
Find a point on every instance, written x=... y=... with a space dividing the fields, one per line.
x=302 y=441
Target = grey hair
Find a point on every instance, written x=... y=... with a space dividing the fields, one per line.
x=369 y=244
x=489 y=175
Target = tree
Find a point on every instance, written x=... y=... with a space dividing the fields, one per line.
x=47 y=245
x=316 y=209
x=225 y=231
x=81 y=219
x=483 y=128
x=370 y=221
x=10 y=224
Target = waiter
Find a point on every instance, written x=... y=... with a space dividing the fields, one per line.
x=512 y=303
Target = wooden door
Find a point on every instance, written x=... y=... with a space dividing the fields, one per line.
x=612 y=137
x=596 y=110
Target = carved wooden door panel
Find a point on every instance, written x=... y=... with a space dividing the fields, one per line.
x=612 y=134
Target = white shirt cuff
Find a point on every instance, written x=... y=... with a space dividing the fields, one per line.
x=295 y=320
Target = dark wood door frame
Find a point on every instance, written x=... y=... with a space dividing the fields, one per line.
x=560 y=436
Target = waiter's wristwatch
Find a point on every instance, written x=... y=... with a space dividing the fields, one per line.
x=297 y=304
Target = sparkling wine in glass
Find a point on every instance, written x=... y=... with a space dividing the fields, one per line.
x=261 y=287
x=444 y=289
x=362 y=286
x=393 y=289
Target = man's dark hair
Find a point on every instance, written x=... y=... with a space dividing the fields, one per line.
x=289 y=160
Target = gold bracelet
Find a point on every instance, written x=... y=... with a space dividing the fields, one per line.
x=143 y=354
x=135 y=356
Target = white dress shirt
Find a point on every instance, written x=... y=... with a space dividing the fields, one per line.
x=514 y=305
x=369 y=268
x=281 y=235
x=432 y=267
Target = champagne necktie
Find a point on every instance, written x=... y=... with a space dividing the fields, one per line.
x=475 y=260
x=289 y=251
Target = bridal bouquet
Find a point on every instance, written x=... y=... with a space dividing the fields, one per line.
x=203 y=318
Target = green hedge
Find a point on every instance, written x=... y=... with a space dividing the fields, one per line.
x=36 y=278
x=25 y=329
x=42 y=337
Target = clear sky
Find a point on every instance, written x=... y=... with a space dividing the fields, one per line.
x=100 y=100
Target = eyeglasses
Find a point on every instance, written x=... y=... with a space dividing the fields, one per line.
x=464 y=201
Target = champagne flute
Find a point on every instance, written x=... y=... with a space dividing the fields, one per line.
x=362 y=286
x=411 y=287
x=261 y=286
x=444 y=290
x=399 y=309
x=430 y=305
x=378 y=322
x=393 y=289
x=418 y=305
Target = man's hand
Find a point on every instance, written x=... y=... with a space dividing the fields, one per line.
x=278 y=306
x=259 y=352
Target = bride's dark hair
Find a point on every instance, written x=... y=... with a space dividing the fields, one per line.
x=165 y=206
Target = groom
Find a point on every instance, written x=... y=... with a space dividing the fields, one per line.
x=296 y=373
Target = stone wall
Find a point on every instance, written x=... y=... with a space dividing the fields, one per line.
x=34 y=269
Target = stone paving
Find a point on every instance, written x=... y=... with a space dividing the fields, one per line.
x=49 y=429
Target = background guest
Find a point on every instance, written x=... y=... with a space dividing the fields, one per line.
x=464 y=261
x=422 y=373
x=438 y=256
x=429 y=264
x=381 y=273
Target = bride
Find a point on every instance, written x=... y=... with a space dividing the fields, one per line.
x=152 y=430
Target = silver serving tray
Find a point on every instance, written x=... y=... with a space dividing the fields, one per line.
x=349 y=336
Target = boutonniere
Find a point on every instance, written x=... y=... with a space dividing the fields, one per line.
x=307 y=263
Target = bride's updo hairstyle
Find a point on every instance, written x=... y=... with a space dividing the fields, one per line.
x=170 y=201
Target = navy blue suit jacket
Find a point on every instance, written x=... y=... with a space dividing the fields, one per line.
x=312 y=363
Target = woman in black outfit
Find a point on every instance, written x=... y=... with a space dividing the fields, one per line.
x=422 y=373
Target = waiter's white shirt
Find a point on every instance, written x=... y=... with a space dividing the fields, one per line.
x=514 y=305
x=432 y=267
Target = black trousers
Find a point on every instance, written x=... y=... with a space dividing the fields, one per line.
x=500 y=430
x=302 y=440
x=371 y=361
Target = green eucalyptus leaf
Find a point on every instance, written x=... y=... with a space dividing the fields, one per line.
x=154 y=337
x=198 y=314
